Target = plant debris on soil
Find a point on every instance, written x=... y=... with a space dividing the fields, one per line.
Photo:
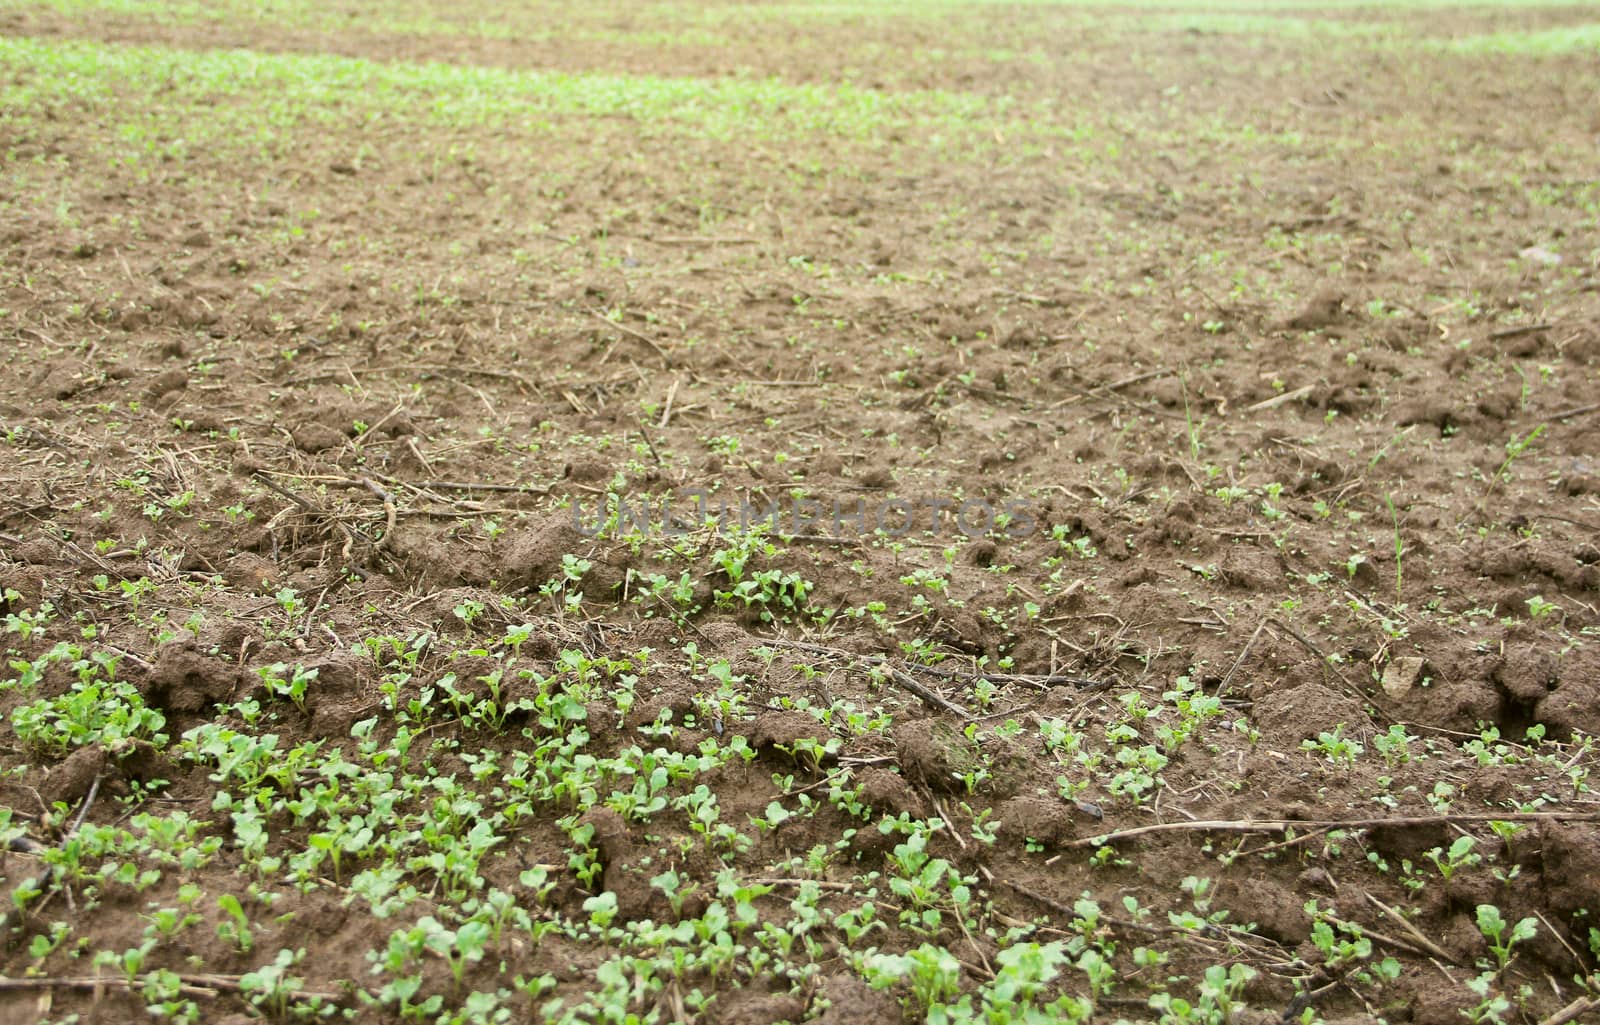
x=745 y=513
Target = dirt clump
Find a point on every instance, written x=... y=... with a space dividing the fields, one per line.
x=1036 y=819
x=935 y=754
x=536 y=556
x=789 y=730
x=853 y=1002
x=753 y=1007
x=69 y=781
x=1322 y=310
x=887 y=792
x=1309 y=710
x=186 y=680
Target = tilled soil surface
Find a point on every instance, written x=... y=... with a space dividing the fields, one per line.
x=1224 y=387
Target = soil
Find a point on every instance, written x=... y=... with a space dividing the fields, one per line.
x=1251 y=337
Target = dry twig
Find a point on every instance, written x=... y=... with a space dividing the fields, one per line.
x=1284 y=825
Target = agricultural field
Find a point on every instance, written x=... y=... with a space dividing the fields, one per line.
x=752 y=512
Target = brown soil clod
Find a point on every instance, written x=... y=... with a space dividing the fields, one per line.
x=934 y=753
x=186 y=681
x=791 y=731
x=1324 y=309
x=1035 y=819
x=69 y=781
x=889 y=793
